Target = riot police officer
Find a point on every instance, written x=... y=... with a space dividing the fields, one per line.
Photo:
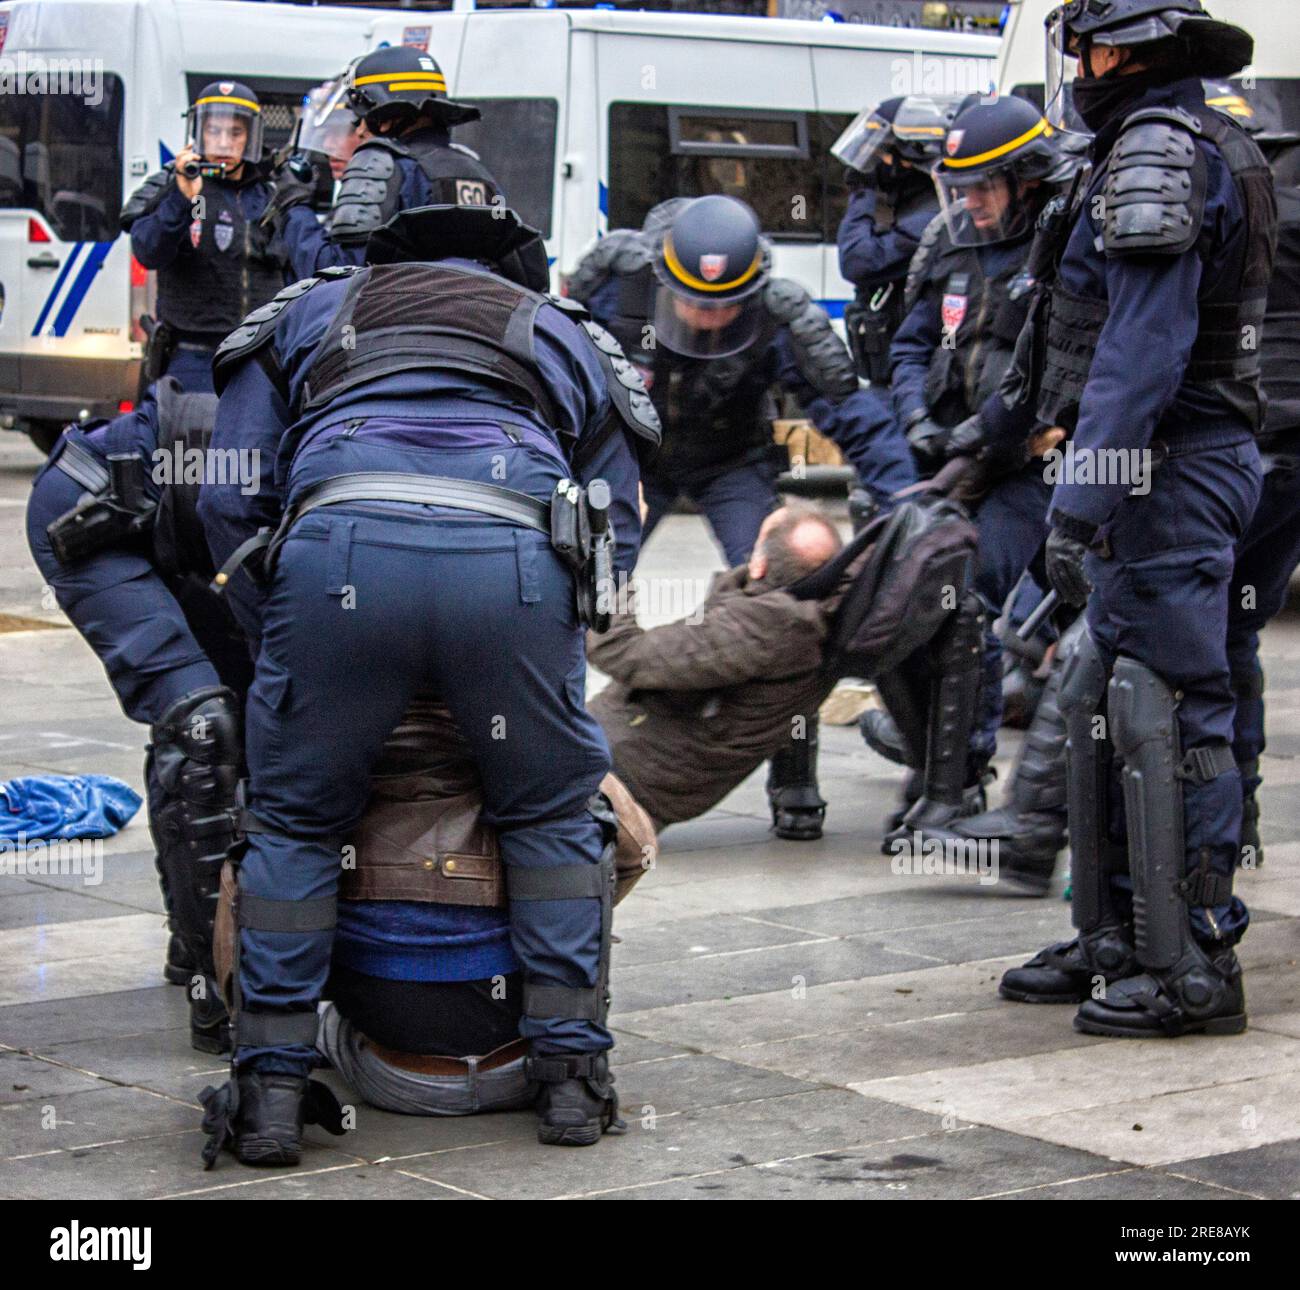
x=1151 y=353
x=968 y=296
x=692 y=299
x=433 y=425
x=888 y=150
x=114 y=531
x=400 y=94
x=198 y=223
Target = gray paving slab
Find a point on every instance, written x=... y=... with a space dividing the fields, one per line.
x=98 y=1016
x=70 y=1121
x=1271 y=1171
x=25 y=1078
x=1123 y=1184
x=343 y=1182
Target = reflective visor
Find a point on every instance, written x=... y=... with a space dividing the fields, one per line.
x=981 y=209
x=698 y=328
x=226 y=128
x=1059 y=70
x=863 y=143
x=327 y=124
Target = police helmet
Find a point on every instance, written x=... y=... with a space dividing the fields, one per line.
x=711 y=265
x=399 y=84
x=1177 y=31
x=224 y=123
x=997 y=151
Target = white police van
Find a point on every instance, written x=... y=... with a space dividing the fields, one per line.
x=590 y=118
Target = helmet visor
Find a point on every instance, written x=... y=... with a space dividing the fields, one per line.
x=1059 y=70
x=982 y=209
x=697 y=327
x=328 y=125
x=865 y=142
x=227 y=130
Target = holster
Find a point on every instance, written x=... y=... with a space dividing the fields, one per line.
x=114 y=507
x=869 y=329
x=160 y=341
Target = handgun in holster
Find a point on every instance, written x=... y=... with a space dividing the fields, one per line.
x=160 y=341
x=107 y=517
x=583 y=538
x=869 y=329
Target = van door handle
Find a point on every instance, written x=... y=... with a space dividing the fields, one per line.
x=43 y=261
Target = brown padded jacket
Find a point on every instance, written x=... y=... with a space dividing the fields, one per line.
x=697 y=705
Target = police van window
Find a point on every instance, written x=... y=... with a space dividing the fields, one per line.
x=516 y=141
x=61 y=155
x=777 y=161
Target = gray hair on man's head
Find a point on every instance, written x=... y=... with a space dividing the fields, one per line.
x=799 y=539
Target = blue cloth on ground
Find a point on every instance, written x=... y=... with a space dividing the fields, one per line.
x=65 y=806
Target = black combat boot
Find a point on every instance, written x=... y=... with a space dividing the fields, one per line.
x=882 y=736
x=576 y=1100
x=259 y=1116
x=209 y=1020
x=1029 y=832
x=1201 y=994
x=1069 y=971
x=798 y=809
x=178 y=967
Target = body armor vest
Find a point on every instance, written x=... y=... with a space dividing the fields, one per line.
x=408 y=317
x=457 y=177
x=1279 y=356
x=224 y=269
x=185 y=424
x=984 y=316
x=1229 y=312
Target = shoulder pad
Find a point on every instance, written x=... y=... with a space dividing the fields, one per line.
x=822 y=358
x=469 y=152
x=380 y=145
x=918 y=270
x=1154 y=192
x=627 y=390
x=619 y=253
x=145 y=198
x=575 y=309
x=257 y=329
x=367 y=191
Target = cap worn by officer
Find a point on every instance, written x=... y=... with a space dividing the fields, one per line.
x=390 y=89
x=224 y=124
x=997 y=151
x=711 y=265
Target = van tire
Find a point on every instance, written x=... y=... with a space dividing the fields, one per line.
x=44 y=434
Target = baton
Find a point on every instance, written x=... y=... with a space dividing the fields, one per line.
x=1035 y=620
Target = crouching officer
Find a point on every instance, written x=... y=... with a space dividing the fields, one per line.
x=433 y=425
x=888 y=151
x=1160 y=292
x=693 y=302
x=197 y=222
x=400 y=94
x=116 y=535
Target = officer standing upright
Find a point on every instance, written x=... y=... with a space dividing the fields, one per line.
x=1152 y=352
x=433 y=424
x=692 y=299
x=968 y=296
x=409 y=159
x=198 y=223
x=888 y=151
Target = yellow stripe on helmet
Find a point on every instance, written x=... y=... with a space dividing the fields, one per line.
x=684 y=275
x=426 y=80
x=994 y=153
x=226 y=98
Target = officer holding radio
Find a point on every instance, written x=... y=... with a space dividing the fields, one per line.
x=197 y=223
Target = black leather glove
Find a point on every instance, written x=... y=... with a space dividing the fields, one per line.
x=928 y=439
x=1065 y=556
x=966 y=438
x=288 y=191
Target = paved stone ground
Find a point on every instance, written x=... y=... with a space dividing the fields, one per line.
x=792 y=1020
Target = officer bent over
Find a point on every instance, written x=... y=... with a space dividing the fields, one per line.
x=198 y=223
x=120 y=543
x=1150 y=350
x=432 y=424
x=400 y=94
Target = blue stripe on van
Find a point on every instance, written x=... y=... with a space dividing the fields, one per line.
x=165 y=154
x=834 y=307
x=89 y=268
x=603 y=199
x=58 y=286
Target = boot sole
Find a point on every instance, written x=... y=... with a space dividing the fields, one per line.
x=1234 y=1025
x=801 y=835
x=582 y=1135
x=217 y=1045
x=266 y=1151
x=1024 y=996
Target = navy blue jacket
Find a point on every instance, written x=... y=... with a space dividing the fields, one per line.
x=871 y=259
x=437 y=408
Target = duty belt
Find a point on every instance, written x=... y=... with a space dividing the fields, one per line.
x=392 y=486
x=576 y=521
